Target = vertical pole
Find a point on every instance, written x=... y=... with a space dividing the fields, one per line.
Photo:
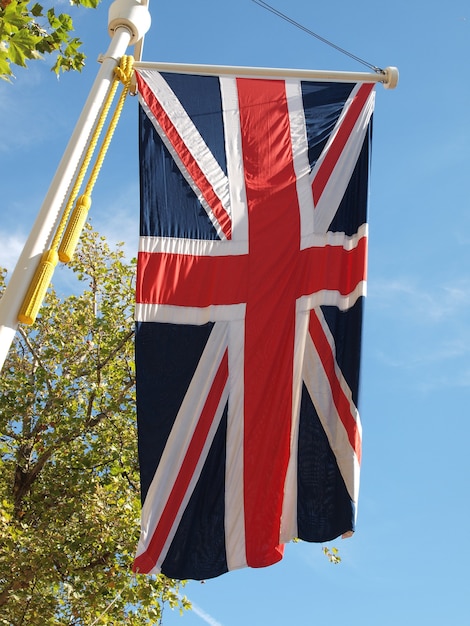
x=128 y=22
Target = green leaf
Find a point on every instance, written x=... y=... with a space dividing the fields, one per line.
x=53 y=20
x=36 y=10
x=14 y=16
x=89 y=4
x=5 y=70
x=66 y=23
x=20 y=47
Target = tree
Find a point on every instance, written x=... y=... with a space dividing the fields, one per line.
x=29 y=31
x=69 y=495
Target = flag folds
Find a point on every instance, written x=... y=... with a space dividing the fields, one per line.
x=250 y=280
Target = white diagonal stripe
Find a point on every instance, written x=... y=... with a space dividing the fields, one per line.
x=338 y=181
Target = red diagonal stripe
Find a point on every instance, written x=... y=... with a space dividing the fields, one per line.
x=341 y=401
x=146 y=561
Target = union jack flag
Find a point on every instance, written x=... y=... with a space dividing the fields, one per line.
x=250 y=280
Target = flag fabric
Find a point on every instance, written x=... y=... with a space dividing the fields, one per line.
x=250 y=283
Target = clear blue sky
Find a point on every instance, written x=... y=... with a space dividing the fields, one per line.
x=409 y=559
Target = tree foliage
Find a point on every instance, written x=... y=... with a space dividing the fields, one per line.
x=69 y=494
x=30 y=31
x=332 y=554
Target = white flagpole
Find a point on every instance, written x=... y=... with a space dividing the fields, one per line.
x=128 y=22
x=388 y=77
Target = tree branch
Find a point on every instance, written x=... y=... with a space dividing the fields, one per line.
x=35 y=355
x=100 y=365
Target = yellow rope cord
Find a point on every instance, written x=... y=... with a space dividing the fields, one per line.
x=64 y=250
x=70 y=239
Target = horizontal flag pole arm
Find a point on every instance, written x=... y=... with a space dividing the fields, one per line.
x=388 y=77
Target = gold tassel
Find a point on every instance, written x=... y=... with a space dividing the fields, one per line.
x=74 y=228
x=38 y=287
x=42 y=278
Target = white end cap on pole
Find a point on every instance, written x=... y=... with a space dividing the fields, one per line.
x=391 y=77
x=131 y=14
